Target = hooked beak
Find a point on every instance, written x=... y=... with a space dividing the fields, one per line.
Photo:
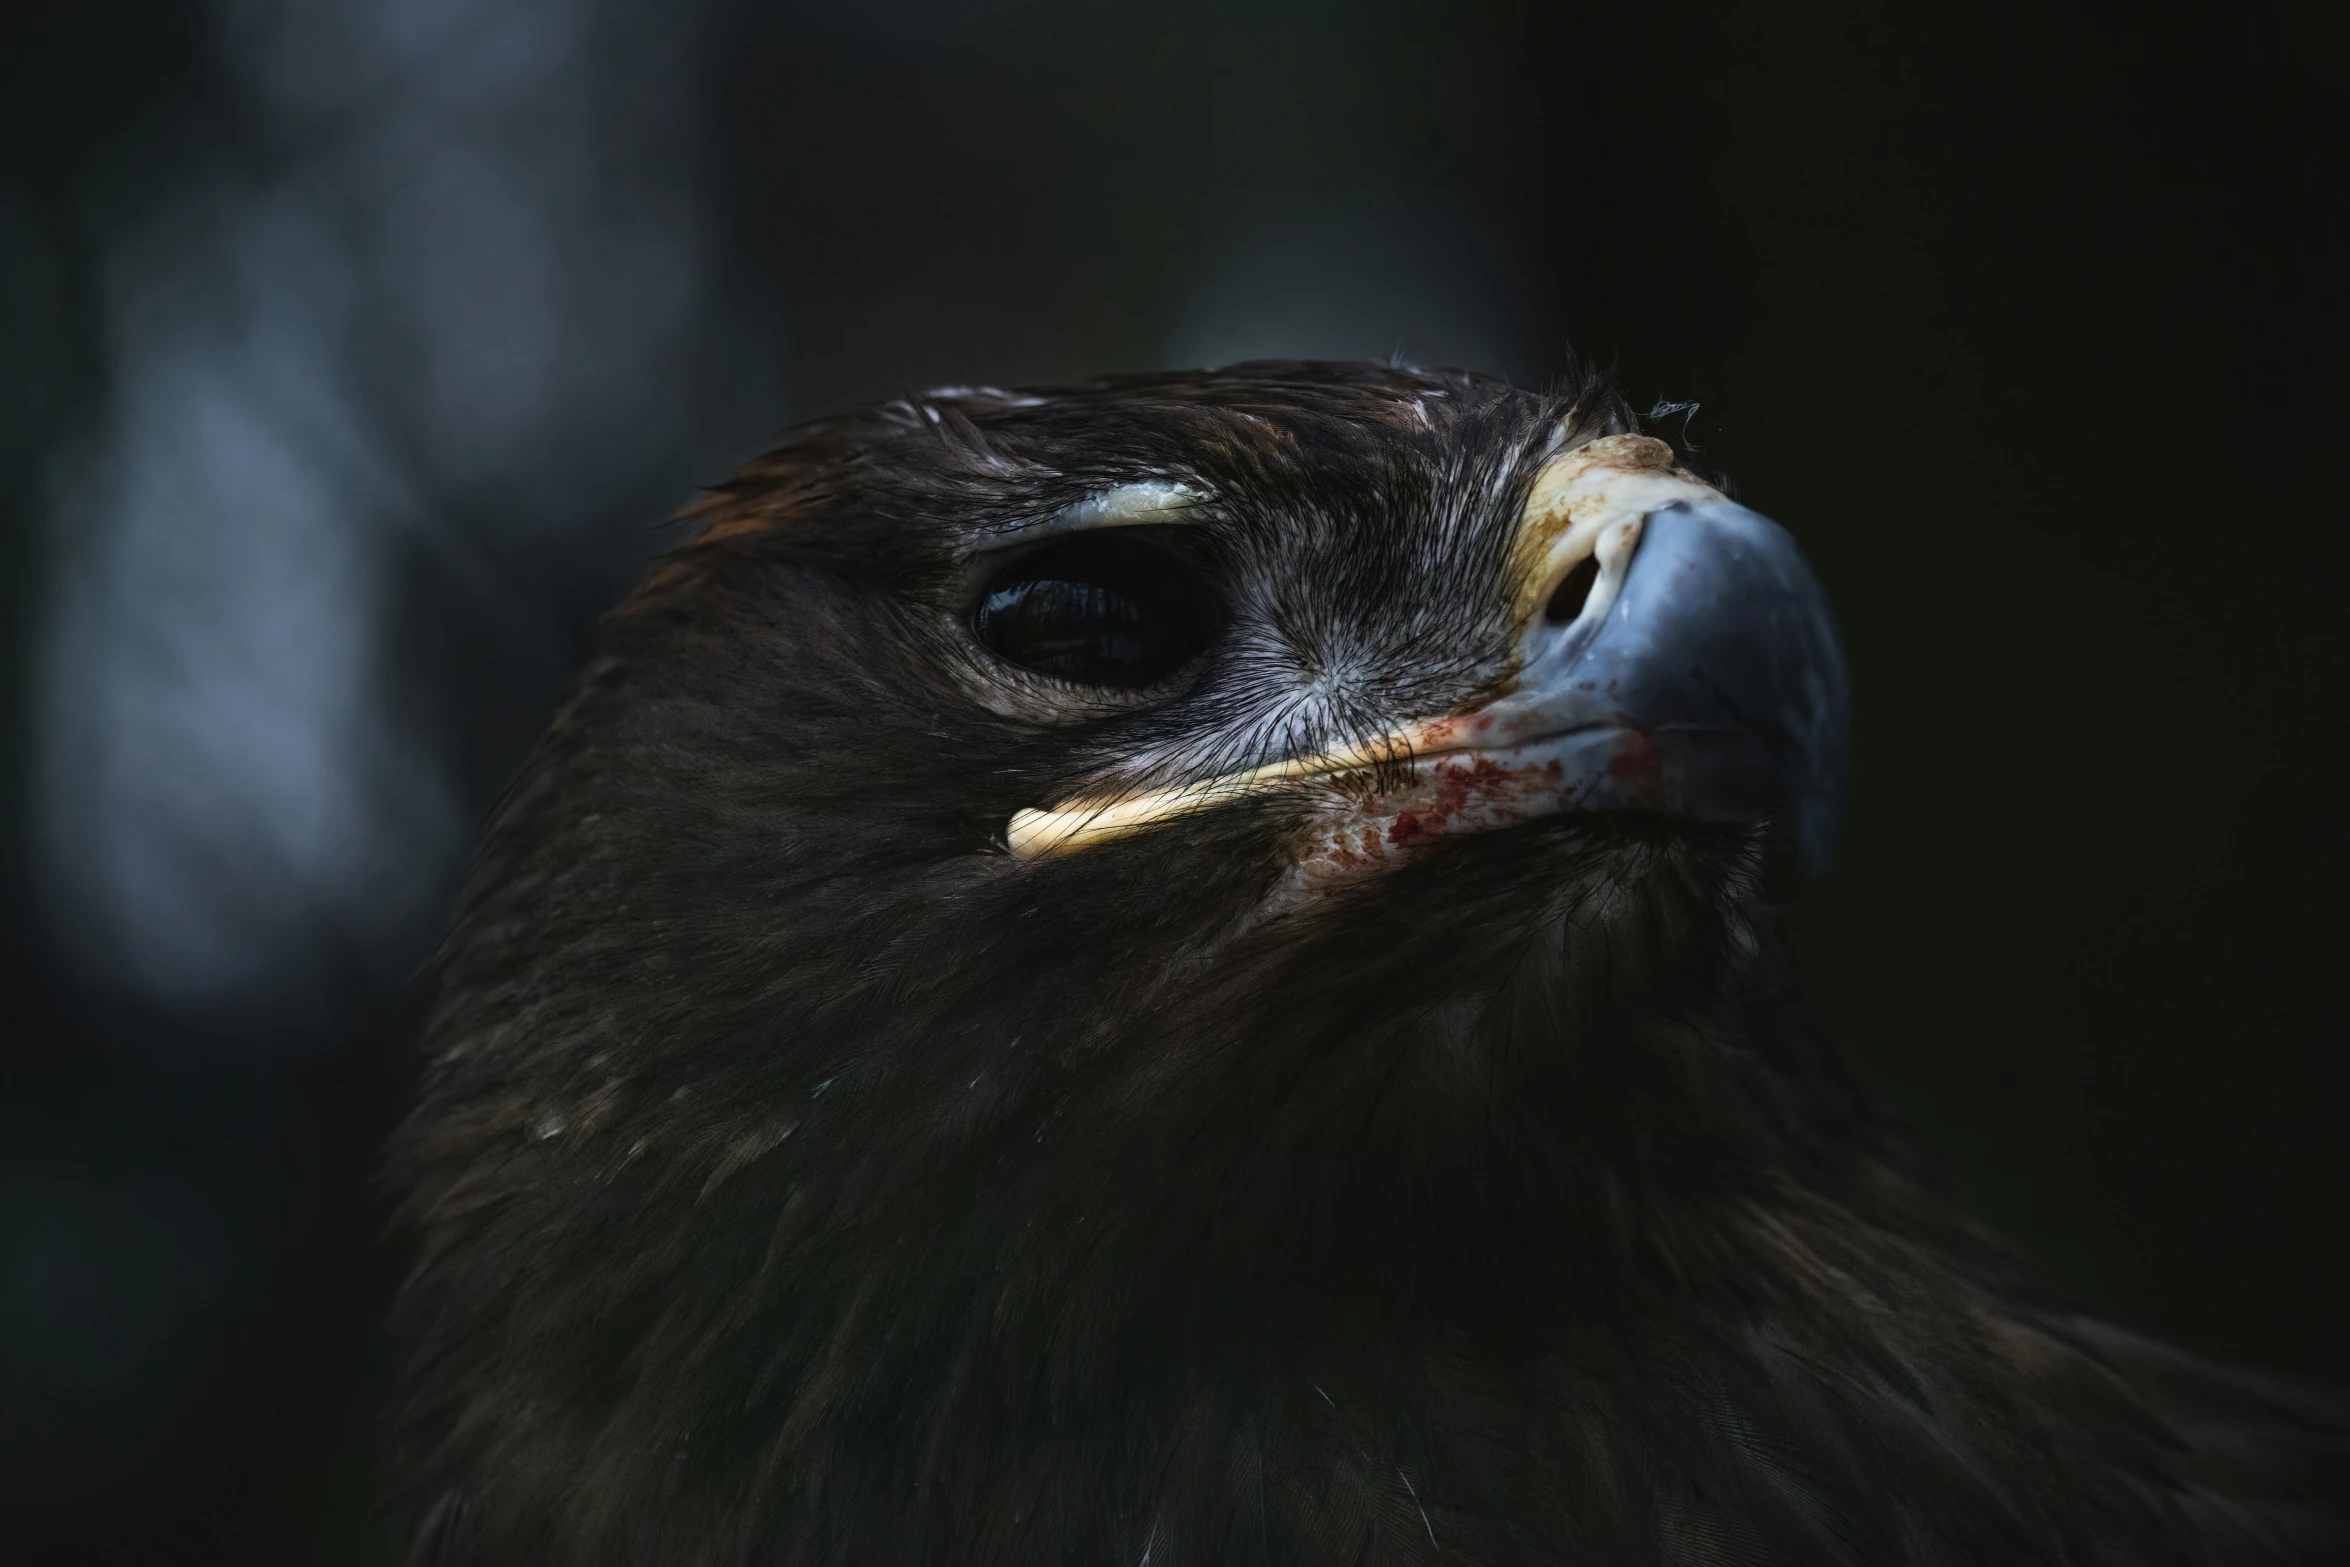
x=1700 y=677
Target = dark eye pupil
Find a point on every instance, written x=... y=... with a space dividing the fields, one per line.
x=1101 y=609
x=1063 y=628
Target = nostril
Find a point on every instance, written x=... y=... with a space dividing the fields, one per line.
x=1567 y=599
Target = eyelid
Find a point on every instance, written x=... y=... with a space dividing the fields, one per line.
x=1148 y=503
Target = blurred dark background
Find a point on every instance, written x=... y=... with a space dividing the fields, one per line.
x=350 y=351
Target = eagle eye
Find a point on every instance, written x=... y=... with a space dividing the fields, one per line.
x=1103 y=608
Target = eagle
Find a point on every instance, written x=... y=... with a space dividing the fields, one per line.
x=1194 y=968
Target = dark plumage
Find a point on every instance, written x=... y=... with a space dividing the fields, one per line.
x=801 y=1177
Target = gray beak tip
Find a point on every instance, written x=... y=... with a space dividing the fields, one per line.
x=1721 y=645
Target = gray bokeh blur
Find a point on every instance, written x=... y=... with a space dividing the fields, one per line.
x=460 y=279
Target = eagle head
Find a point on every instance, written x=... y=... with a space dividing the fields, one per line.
x=1114 y=970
